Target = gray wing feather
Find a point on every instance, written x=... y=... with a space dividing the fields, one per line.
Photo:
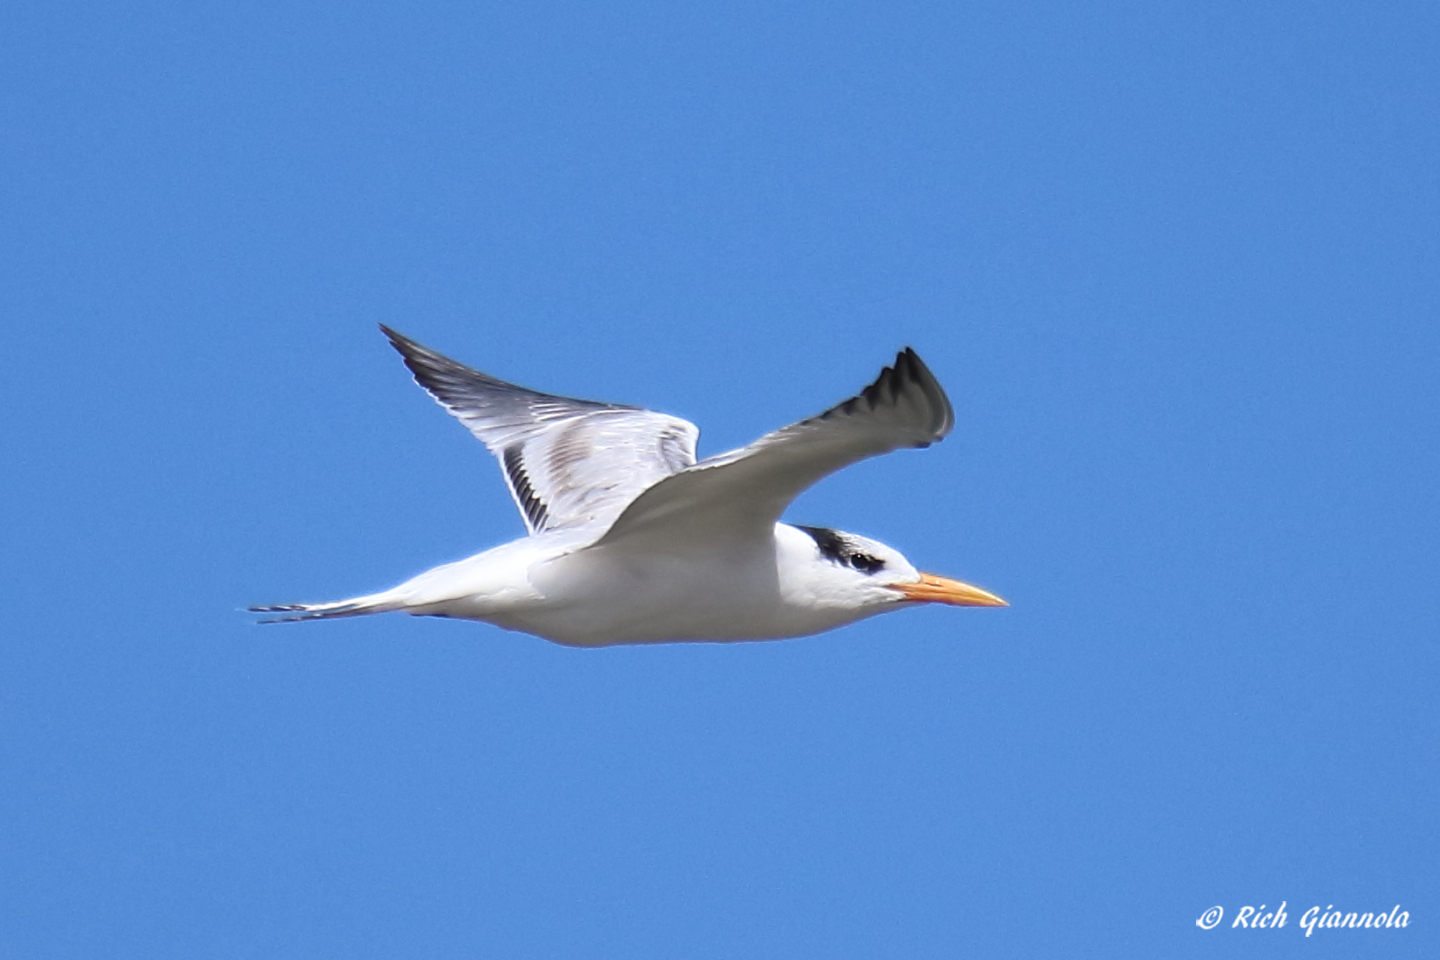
x=567 y=462
x=740 y=495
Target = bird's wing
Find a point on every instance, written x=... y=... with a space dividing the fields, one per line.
x=568 y=463
x=736 y=497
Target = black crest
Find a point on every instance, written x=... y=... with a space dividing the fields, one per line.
x=838 y=548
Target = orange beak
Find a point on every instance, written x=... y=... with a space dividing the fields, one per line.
x=933 y=589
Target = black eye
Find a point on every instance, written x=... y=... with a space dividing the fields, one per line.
x=866 y=563
x=838 y=548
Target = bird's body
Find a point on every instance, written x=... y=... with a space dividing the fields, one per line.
x=634 y=541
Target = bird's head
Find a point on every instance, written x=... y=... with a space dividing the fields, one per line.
x=846 y=569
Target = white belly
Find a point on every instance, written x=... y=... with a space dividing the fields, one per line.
x=594 y=598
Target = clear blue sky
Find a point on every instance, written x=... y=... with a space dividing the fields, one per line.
x=1178 y=265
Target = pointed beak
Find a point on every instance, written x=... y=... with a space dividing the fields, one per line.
x=933 y=589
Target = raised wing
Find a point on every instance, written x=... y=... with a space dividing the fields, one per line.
x=568 y=463
x=738 y=496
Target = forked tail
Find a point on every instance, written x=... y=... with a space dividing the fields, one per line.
x=357 y=607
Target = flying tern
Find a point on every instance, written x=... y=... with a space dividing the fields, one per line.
x=632 y=540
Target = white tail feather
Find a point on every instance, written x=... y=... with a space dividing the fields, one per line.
x=355 y=607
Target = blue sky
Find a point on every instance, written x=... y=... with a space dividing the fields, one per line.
x=1178 y=266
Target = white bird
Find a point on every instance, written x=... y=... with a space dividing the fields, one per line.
x=634 y=541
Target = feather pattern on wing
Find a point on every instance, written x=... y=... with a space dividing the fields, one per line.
x=567 y=462
x=737 y=497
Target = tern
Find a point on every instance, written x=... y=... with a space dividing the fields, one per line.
x=632 y=540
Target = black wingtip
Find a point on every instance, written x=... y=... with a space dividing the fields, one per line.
x=423 y=362
x=398 y=340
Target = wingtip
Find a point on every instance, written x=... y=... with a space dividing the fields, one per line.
x=415 y=354
x=909 y=365
x=397 y=339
